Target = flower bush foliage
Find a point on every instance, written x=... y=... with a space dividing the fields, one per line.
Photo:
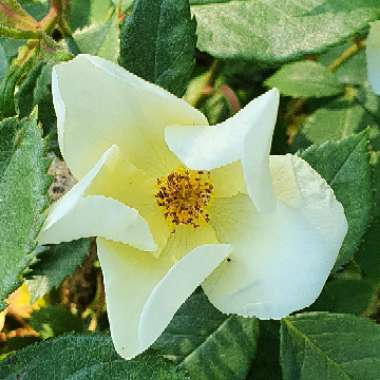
x=189 y=189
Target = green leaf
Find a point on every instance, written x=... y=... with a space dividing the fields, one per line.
x=24 y=98
x=368 y=256
x=199 y=337
x=43 y=98
x=84 y=357
x=345 y=167
x=16 y=344
x=305 y=79
x=353 y=70
x=100 y=10
x=4 y=62
x=60 y=261
x=9 y=129
x=338 y=119
x=79 y=13
x=36 y=90
x=266 y=365
x=329 y=347
x=83 y=13
x=342 y=295
x=199 y=2
x=54 y=320
x=11 y=46
x=123 y=5
x=8 y=50
x=278 y=30
x=37 y=8
x=101 y=39
x=157 y=43
x=8 y=86
x=369 y=100
x=23 y=188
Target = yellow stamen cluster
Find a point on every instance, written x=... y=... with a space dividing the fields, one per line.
x=184 y=195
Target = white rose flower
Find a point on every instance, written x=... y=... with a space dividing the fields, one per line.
x=175 y=203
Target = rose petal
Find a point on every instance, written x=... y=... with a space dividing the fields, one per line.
x=78 y=215
x=177 y=285
x=247 y=136
x=99 y=104
x=60 y=208
x=141 y=297
x=281 y=260
x=104 y=217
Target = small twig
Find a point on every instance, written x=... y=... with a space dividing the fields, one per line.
x=208 y=86
x=297 y=104
x=20 y=20
x=373 y=307
x=26 y=52
x=231 y=97
x=97 y=305
x=47 y=24
x=347 y=54
x=6 y=31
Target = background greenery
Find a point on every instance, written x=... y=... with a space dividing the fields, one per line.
x=218 y=54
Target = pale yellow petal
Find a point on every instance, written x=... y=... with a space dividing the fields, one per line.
x=104 y=217
x=78 y=215
x=228 y=180
x=247 y=136
x=281 y=260
x=99 y=104
x=131 y=277
x=300 y=187
x=255 y=158
x=124 y=182
x=60 y=208
x=177 y=285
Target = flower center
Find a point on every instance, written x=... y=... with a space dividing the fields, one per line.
x=184 y=196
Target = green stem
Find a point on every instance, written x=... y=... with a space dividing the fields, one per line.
x=6 y=31
x=26 y=52
x=347 y=54
x=62 y=7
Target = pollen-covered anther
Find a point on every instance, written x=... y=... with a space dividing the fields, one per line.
x=184 y=196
